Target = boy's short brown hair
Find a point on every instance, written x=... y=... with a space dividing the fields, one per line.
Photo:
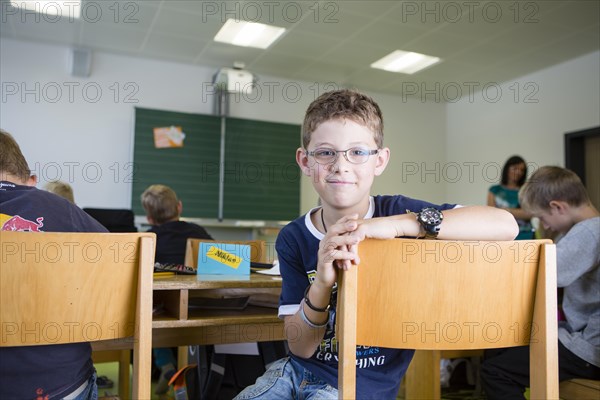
x=12 y=161
x=161 y=203
x=61 y=189
x=343 y=104
x=552 y=183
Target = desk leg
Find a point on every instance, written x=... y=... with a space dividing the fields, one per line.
x=124 y=359
x=423 y=376
x=182 y=357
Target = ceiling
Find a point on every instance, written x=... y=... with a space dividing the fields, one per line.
x=336 y=41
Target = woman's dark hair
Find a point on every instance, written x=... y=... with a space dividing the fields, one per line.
x=514 y=160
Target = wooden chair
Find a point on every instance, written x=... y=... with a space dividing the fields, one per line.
x=422 y=379
x=257 y=249
x=102 y=282
x=123 y=357
x=451 y=295
x=580 y=389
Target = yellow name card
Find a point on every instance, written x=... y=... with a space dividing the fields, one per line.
x=224 y=257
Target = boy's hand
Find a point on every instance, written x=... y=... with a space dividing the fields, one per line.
x=337 y=250
x=383 y=228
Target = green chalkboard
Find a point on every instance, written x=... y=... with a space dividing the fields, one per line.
x=261 y=179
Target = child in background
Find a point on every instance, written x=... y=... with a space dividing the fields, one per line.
x=54 y=371
x=61 y=189
x=342 y=153
x=163 y=210
x=558 y=198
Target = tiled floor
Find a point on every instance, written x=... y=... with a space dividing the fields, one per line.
x=463 y=394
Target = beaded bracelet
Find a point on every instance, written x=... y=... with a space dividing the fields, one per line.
x=308 y=321
x=309 y=304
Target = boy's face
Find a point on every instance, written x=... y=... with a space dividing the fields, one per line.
x=342 y=184
x=556 y=217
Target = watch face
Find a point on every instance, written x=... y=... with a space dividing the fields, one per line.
x=431 y=216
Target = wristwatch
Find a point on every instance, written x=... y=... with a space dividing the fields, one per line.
x=430 y=219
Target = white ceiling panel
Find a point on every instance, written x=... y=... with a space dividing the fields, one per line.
x=186 y=24
x=484 y=41
x=306 y=44
x=175 y=47
x=335 y=24
x=389 y=35
x=225 y=55
x=116 y=39
x=574 y=15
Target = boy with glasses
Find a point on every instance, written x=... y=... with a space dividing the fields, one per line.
x=342 y=153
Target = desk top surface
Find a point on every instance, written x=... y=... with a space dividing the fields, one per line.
x=177 y=282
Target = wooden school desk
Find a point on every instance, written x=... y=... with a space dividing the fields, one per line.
x=177 y=325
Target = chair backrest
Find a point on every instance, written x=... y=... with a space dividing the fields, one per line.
x=257 y=249
x=62 y=288
x=445 y=295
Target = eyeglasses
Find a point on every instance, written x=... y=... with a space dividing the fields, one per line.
x=354 y=155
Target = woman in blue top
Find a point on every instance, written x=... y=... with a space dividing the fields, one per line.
x=506 y=195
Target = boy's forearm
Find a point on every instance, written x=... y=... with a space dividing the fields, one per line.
x=478 y=223
x=465 y=223
x=304 y=339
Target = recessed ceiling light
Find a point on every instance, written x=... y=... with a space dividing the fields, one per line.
x=67 y=9
x=248 y=34
x=405 y=62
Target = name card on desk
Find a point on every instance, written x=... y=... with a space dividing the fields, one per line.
x=224 y=259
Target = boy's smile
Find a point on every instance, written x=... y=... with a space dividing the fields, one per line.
x=339 y=182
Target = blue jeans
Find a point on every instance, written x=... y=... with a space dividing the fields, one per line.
x=286 y=379
x=90 y=392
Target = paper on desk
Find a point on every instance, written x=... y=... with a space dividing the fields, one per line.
x=250 y=349
x=271 y=271
x=209 y=277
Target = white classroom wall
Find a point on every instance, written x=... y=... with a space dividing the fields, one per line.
x=440 y=151
x=68 y=130
x=530 y=118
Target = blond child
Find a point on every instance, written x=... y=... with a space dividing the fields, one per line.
x=342 y=152
x=62 y=189
x=558 y=198
x=163 y=210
